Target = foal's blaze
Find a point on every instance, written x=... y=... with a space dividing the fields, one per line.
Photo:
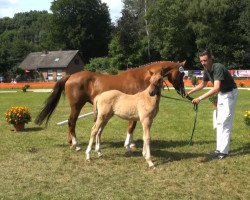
x=84 y=86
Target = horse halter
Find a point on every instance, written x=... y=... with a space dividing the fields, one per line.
x=181 y=90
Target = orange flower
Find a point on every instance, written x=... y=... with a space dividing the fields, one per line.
x=17 y=115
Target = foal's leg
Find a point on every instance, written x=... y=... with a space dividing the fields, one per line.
x=72 y=140
x=98 y=138
x=95 y=132
x=146 y=124
x=129 y=143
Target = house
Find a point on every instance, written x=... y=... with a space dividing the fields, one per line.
x=52 y=65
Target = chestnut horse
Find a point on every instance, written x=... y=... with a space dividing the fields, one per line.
x=84 y=86
x=142 y=106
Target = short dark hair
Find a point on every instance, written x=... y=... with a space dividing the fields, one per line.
x=206 y=53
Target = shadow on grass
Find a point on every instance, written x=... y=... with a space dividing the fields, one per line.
x=244 y=150
x=158 y=149
x=159 y=144
x=34 y=129
x=30 y=129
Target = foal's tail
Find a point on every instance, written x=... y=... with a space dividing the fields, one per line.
x=51 y=102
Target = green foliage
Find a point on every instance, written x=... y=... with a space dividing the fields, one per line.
x=194 y=80
x=219 y=17
x=83 y=25
x=117 y=58
x=19 y=36
x=24 y=88
x=213 y=99
x=247 y=117
x=126 y=48
x=98 y=64
x=169 y=31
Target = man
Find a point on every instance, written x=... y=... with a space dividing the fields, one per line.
x=225 y=87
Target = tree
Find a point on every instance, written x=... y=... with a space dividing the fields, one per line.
x=170 y=34
x=216 y=24
x=19 y=36
x=129 y=46
x=83 y=25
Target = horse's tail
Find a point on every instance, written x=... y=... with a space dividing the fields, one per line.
x=51 y=102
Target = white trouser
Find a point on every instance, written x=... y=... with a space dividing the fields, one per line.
x=225 y=114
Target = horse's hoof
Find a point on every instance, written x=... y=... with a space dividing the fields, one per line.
x=78 y=149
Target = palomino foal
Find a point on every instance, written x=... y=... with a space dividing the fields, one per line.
x=142 y=107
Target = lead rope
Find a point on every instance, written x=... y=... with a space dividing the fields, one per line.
x=195 y=118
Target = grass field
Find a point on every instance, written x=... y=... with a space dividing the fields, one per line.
x=38 y=163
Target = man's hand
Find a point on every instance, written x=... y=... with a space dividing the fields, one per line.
x=196 y=100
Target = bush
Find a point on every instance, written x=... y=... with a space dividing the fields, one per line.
x=213 y=99
x=112 y=70
x=98 y=64
x=247 y=117
x=194 y=80
x=24 y=88
x=241 y=84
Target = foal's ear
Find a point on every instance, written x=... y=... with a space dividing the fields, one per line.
x=151 y=73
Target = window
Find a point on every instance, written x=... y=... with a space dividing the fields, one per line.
x=58 y=74
x=50 y=75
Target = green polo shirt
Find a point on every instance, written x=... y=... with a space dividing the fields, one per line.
x=219 y=72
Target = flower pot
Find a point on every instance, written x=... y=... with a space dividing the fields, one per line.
x=18 y=127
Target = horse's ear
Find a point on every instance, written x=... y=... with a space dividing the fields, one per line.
x=183 y=63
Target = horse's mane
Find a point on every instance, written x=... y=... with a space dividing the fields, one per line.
x=145 y=66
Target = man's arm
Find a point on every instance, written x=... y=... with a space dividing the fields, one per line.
x=211 y=92
x=198 y=87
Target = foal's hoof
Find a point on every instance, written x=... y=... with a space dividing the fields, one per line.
x=133 y=147
x=78 y=148
x=151 y=165
x=99 y=154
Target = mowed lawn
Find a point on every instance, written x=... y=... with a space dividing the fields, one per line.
x=38 y=163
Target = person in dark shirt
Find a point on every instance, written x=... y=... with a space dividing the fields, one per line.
x=225 y=87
